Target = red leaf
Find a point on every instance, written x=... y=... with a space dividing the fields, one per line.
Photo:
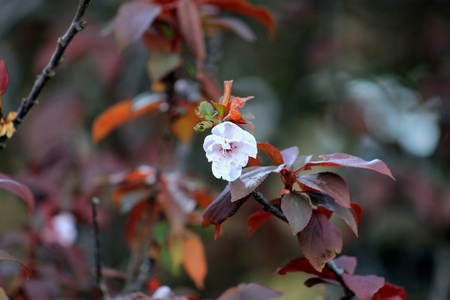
x=123 y=112
x=234 y=25
x=364 y=287
x=244 y=8
x=324 y=200
x=390 y=292
x=328 y=183
x=345 y=160
x=250 y=179
x=133 y=19
x=272 y=152
x=4 y=77
x=191 y=28
x=358 y=211
x=19 y=189
x=348 y=263
x=256 y=220
x=194 y=260
x=6 y=256
x=221 y=208
x=249 y=291
x=297 y=210
x=320 y=240
x=290 y=155
x=302 y=264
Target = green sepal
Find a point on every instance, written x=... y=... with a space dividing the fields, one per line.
x=220 y=108
x=206 y=109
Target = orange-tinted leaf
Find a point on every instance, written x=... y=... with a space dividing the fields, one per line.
x=390 y=292
x=182 y=127
x=256 y=220
x=297 y=210
x=225 y=99
x=346 y=160
x=120 y=113
x=194 y=260
x=4 y=77
x=237 y=102
x=6 y=256
x=320 y=241
x=133 y=19
x=249 y=291
x=19 y=189
x=328 y=183
x=234 y=25
x=191 y=28
x=364 y=287
x=272 y=152
x=236 y=117
x=244 y=8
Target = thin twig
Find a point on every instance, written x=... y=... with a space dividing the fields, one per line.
x=98 y=260
x=48 y=72
x=331 y=265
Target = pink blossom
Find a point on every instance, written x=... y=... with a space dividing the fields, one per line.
x=228 y=148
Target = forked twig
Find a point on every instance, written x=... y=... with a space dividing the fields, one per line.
x=48 y=72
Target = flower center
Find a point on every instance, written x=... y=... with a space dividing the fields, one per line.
x=227 y=149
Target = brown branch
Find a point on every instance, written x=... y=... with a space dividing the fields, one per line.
x=331 y=265
x=48 y=72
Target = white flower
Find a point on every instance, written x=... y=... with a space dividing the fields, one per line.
x=228 y=148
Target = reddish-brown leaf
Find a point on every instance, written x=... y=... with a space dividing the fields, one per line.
x=221 y=208
x=297 y=210
x=390 y=292
x=358 y=212
x=290 y=155
x=250 y=179
x=324 y=200
x=121 y=113
x=194 y=260
x=133 y=19
x=256 y=220
x=327 y=183
x=302 y=264
x=191 y=29
x=364 y=287
x=244 y=8
x=4 y=77
x=249 y=291
x=272 y=152
x=18 y=189
x=320 y=241
x=234 y=25
x=346 y=160
x=6 y=256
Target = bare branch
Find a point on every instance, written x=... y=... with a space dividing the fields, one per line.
x=48 y=72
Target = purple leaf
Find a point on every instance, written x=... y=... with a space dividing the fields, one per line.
x=324 y=200
x=327 y=183
x=297 y=210
x=290 y=155
x=364 y=287
x=19 y=189
x=133 y=19
x=250 y=179
x=320 y=240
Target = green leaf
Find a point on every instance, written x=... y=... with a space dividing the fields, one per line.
x=206 y=109
x=221 y=109
x=202 y=126
x=297 y=210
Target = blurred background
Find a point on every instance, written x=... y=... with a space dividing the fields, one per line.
x=369 y=78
